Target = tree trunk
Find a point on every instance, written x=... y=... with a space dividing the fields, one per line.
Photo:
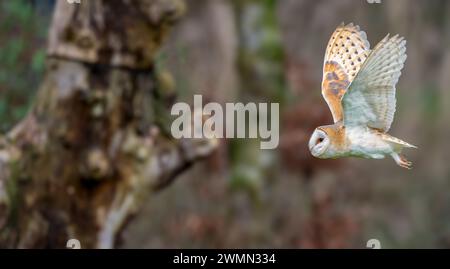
x=95 y=142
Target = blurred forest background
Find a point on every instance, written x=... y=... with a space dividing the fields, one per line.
x=272 y=51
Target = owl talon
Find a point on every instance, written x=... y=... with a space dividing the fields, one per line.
x=402 y=161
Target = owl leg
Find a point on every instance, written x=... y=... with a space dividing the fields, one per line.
x=401 y=161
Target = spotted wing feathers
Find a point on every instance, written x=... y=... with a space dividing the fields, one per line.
x=346 y=51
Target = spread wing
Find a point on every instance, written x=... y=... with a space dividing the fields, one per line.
x=370 y=98
x=346 y=51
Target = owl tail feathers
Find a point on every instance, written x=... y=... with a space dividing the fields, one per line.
x=397 y=143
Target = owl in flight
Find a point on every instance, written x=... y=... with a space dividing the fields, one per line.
x=359 y=87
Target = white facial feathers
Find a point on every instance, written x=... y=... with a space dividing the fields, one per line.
x=318 y=143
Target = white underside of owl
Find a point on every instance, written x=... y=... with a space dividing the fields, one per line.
x=366 y=143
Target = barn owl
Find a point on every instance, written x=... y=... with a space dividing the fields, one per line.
x=359 y=87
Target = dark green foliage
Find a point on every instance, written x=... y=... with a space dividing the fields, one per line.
x=22 y=56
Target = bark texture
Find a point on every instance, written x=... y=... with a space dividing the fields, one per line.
x=95 y=142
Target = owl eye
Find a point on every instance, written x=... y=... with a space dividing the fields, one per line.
x=319 y=140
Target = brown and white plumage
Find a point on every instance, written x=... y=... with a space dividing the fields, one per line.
x=359 y=87
x=346 y=52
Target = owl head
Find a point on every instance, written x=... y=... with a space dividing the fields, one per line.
x=319 y=143
x=327 y=141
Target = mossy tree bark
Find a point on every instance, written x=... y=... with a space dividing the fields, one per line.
x=95 y=142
